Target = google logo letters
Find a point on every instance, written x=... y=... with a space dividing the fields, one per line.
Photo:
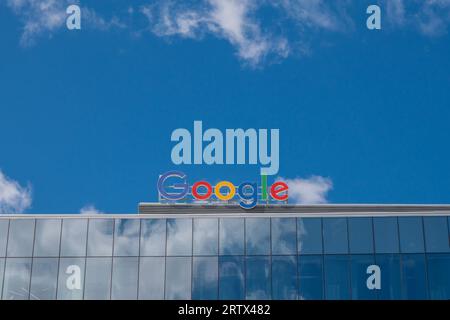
x=246 y=193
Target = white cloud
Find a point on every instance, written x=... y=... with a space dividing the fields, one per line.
x=313 y=13
x=434 y=17
x=13 y=197
x=93 y=20
x=259 y=31
x=38 y=17
x=429 y=17
x=395 y=11
x=45 y=17
x=90 y=210
x=312 y=190
x=232 y=20
x=255 y=37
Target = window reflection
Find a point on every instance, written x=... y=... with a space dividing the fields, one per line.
x=258 y=278
x=98 y=279
x=310 y=272
x=100 y=237
x=71 y=278
x=386 y=234
x=73 y=237
x=151 y=278
x=178 y=278
x=411 y=234
x=413 y=277
x=390 y=278
x=205 y=278
x=284 y=277
x=309 y=232
x=3 y=236
x=20 y=242
x=179 y=237
x=126 y=237
x=48 y=234
x=284 y=236
x=337 y=284
x=436 y=234
x=231 y=236
x=206 y=236
x=16 y=283
x=43 y=279
x=359 y=264
x=153 y=237
x=124 y=278
x=335 y=235
x=360 y=235
x=231 y=278
x=257 y=234
x=439 y=276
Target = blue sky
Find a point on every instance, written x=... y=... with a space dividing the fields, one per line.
x=86 y=115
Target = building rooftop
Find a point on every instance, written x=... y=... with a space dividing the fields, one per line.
x=285 y=209
x=175 y=210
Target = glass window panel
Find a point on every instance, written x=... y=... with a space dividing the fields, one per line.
x=309 y=235
x=258 y=278
x=3 y=236
x=178 y=278
x=98 y=279
x=100 y=237
x=284 y=236
x=231 y=233
x=335 y=235
x=71 y=278
x=231 y=278
x=360 y=235
x=205 y=278
x=413 y=277
x=44 y=275
x=20 y=242
x=124 y=278
x=436 y=234
x=310 y=273
x=48 y=235
x=359 y=265
x=386 y=234
x=337 y=284
x=179 y=237
x=206 y=238
x=153 y=237
x=390 y=276
x=16 y=283
x=73 y=237
x=2 y=270
x=126 y=237
x=257 y=234
x=411 y=234
x=439 y=276
x=151 y=278
x=284 y=277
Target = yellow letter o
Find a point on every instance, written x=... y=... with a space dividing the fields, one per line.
x=222 y=184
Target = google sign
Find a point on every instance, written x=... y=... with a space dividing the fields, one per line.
x=246 y=193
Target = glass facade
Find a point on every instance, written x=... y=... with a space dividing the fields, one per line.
x=292 y=258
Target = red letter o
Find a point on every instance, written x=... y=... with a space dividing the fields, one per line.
x=199 y=196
